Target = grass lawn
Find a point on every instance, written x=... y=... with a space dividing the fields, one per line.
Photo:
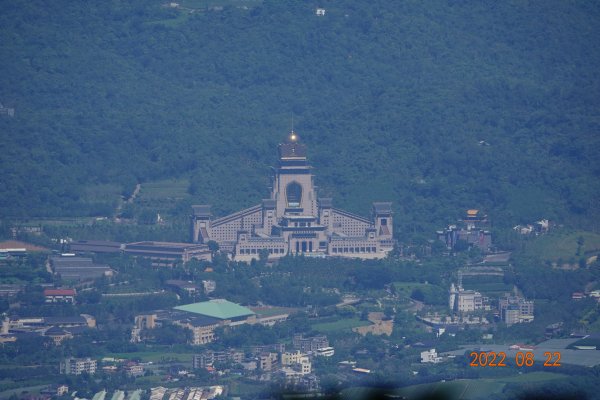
x=537 y=376
x=481 y=389
x=149 y=381
x=342 y=324
x=238 y=388
x=443 y=390
x=155 y=356
x=270 y=311
x=30 y=389
x=474 y=388
x=406 y=288
x=489 y=287
x=563 y=245
x=167 y=189
x=459 y=389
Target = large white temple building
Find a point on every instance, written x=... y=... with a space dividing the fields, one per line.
x=294 y=220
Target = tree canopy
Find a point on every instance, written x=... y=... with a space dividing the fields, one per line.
x=436 y=106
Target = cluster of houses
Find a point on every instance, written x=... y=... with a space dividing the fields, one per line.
x=537 y=228
x=272 y=362
x=513 y=309
x=594 y=294
x=265 y=363
x=87 y=365
x=57 y=328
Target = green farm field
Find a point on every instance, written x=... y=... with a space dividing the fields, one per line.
x=154 y=356
x=167 y=189
x=563 y=245
x=474 y=389
x=343 y=324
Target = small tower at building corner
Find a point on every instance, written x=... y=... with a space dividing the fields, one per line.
x=382 y=216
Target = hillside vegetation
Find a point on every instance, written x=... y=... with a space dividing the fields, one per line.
x=563 y=246
x=436 y=106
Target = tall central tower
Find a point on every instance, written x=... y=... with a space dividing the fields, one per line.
x=293 y=188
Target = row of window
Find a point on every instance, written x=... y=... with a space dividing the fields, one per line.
x=349 y=226
x=204 y=338
x=256 y=251
x=302 y=224
x=354 y=250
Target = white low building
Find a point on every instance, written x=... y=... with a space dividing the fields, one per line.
x=325 y=352
x=430 y=356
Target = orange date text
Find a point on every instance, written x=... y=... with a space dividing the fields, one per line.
x=521 y=359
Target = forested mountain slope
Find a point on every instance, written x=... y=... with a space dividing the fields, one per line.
x=402 y=98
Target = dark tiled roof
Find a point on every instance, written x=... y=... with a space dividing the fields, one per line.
x=180 y=283
x=236 y=215
x=350 y=215
x=163 y=247
x=76 y=330
x=201 y=210
x=203 y=321
x=186 y=317
x=56 y=331
x=60 y=261
x=95 y=246
x=269 y=203
x=65 y=320
x=382 y=208
x=79 y=268
x=59 y=292
x=292 y=150
x=325 y=202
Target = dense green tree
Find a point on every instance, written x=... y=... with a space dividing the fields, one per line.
x=466 y=105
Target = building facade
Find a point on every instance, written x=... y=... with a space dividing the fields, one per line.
x=60 y=295
x=77 y=366
x=515 y=309
x=168 y=254
x=465 y=301
x=209 y=357
x=314 y=343
x=472 y=230
x=203 y=318
x=295 y=220
x=430 y=356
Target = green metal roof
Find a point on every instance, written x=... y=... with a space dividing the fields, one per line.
x=220 y=308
